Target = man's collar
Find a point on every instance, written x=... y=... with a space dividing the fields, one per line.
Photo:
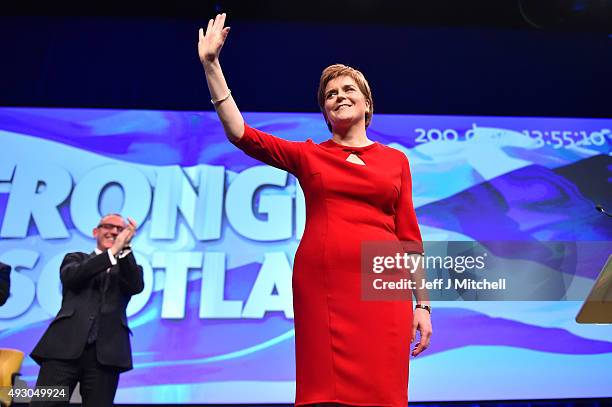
x=98 y=251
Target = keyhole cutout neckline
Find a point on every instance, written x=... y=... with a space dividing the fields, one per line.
x=354 y=153
x=354 y=158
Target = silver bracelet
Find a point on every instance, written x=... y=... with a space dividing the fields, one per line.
x=216 y=102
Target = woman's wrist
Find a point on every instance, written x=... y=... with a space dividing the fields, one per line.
x=217 y=102
x=424 y=307
x=211 y=65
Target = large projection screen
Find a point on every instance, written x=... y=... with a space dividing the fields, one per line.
x=219 y=231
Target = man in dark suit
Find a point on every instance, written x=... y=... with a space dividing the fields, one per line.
x=5 y=282
x=88 y=341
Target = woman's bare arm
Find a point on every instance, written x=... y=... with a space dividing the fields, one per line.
x=209 y=47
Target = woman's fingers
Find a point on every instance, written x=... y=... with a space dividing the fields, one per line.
x=418 y=349
x=218 y=24
x=421 y=346
x=224 y=33
x=421 y=323
x=215 y=26
x=211 y=40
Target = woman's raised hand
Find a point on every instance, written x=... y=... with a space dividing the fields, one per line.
x=211 y=41
x=209 y=46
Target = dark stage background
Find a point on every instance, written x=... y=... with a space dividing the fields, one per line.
x=508 y=57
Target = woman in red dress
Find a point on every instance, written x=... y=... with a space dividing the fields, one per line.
x=348 y=351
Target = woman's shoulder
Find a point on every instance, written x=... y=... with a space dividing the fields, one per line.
x=393 y=152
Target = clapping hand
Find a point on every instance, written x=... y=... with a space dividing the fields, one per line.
x=211 y=41
x=124 y=238
x=131 y=230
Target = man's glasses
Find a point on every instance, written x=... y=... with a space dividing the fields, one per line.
x=109 y=227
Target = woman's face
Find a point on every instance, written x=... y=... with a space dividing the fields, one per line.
x=345 y=105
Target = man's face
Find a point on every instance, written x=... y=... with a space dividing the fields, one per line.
x=107 y=230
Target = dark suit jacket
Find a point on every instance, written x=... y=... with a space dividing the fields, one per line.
x=5 y=282
x=90 y=292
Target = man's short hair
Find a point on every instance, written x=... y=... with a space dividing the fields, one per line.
x=107 y=215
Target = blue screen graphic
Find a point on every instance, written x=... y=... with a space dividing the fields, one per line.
x=219 y=231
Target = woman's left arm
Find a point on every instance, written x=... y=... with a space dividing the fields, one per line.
x=407 y=231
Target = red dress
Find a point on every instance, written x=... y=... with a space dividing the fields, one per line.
x=348 y=351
